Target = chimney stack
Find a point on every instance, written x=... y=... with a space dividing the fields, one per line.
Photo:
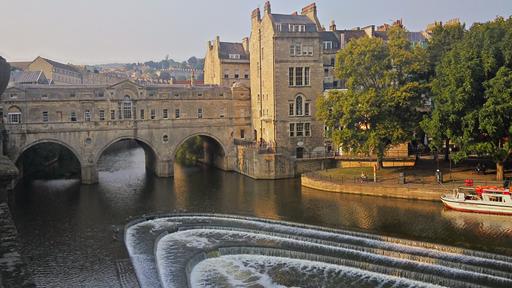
x=245 y=44
x=267 y=9
x=310 y=12
x=255 y=15
x=332 y=27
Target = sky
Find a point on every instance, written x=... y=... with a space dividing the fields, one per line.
x=122 y=31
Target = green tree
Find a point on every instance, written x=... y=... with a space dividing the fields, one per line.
x=465 y=90
x=384 y=90
x=443 y=39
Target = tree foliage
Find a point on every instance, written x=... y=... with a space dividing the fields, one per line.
x=384 y=88
x=471 y=92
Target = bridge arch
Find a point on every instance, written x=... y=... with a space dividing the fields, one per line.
x=144 y=143
x=48 y=140
x=217 y=156
x=21 y=161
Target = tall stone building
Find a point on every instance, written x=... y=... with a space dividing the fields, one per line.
x=286 y=79
x=227 y=63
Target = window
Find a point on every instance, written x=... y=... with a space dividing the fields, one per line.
x=234 y=56
x=297 y=28
x=153 y=114
x=165 y=138
x=306 y=76
x=45 y=116
x=306 y=109
x=333 y=62
x=127 y=108
x=298 y=105
x=279 y=27
x=102 y=115
x=307 y=129
x=199 y=94
x=101 y=94
x=300 y=129
x=292 y=129
x=296 y=49
x=291 y=109
x=242 y=133
x=298 y=76
x=226 y=76
x=14 y=117
x=165 y=114
x=246 y=76
x=307 y=50
x=327 y=45
x=142 y=116
x=72 y=117
x=237 y=76
x=44 y=96
x=177 y=94
x=199 y=112
x=112 y=114
x=87 y=115
x=72 y=94
x=177 y=113
x=14 y=95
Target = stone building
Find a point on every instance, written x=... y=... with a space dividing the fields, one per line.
x=286 y=79
x=227 y=63
x=56 y=72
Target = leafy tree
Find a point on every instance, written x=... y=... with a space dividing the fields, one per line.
x=470 y=82
x=443 y=39
x=384 y=90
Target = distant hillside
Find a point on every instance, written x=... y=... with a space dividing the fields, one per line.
x=191 y=63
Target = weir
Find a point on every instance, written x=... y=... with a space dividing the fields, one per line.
x=183 y=250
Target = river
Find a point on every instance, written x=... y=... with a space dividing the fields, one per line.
x=66 y=229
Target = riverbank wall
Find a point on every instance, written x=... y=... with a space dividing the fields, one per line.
x=404 y=191
x=13 y=269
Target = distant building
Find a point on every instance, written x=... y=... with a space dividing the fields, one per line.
x=227 y=63
x=57 y=72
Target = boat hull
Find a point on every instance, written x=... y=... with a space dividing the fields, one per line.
x=476 y=207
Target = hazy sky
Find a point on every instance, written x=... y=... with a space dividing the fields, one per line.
x=105 y=31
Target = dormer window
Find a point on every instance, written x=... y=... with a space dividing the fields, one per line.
x=296 y=27
x=234 y=56
x=327 y=45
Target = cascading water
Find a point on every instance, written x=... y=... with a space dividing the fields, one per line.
x=204 y=250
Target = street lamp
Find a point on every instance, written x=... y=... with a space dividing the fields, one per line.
x=450 y=157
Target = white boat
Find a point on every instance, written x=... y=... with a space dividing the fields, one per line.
x=487 y=199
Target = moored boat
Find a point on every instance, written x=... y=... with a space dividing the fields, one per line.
x=482 y=199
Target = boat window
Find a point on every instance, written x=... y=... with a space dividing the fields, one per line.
x=495 y=198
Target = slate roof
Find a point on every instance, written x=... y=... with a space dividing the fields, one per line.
x=28 y=77
x=226 y=48
x=294 y=19
x=20 y=65
x=330 y=36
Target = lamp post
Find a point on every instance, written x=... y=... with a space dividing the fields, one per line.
x=450 y=157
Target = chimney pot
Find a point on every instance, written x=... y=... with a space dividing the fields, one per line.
x=267 y=9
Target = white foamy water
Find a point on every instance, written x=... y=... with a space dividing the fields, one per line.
x=267 y=271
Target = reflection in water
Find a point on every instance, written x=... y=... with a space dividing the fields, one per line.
x=66 y=228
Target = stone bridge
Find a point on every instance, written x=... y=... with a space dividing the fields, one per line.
x=88 y=119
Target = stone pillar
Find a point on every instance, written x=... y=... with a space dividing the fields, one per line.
x=89 y=174
x=164 y=168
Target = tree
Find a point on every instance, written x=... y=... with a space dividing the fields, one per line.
x=470 y=82
x=384 y=90
x=443 y=39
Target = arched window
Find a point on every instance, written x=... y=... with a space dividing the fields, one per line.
x=127 y=107
x=299 y=102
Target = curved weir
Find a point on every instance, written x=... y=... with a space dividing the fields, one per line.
x=206 y=250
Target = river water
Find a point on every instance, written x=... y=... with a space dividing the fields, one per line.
x=66 y=229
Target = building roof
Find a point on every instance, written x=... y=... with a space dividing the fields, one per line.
x=28 y=77
x=227 y=48
x=294 y=19
x=60 y=65
x=416 y=37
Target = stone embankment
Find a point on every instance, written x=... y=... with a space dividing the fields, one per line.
x=13 y=270
x=432 y=192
